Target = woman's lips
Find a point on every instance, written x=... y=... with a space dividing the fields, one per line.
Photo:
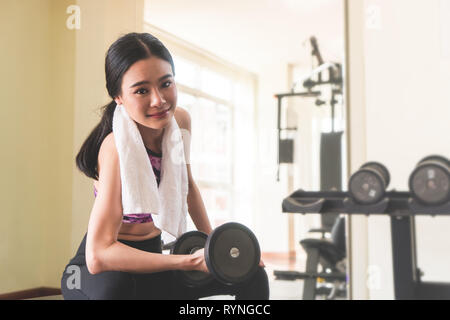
x=160 y=114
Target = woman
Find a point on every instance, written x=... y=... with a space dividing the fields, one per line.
x=120 y=257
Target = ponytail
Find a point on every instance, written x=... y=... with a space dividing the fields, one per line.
x=86 y=159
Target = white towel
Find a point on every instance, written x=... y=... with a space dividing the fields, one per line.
x=140 y=192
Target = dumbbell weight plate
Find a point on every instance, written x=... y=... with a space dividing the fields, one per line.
x=232 y=253
x=369 y=183
x=437 y=158
x=429 y=183
x=380 y=168
x=188 y=243
x=366 y=186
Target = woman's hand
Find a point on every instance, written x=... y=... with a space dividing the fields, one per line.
x=198 y=261
x=261 y=263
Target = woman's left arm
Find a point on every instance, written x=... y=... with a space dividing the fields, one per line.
x=196 y=207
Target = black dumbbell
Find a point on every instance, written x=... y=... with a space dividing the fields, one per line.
x=429 y=182
x=368 y=184
x=232 y=254
x=188 y=243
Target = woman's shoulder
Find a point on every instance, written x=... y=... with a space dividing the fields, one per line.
x=108 y=150
x=108 y=143
x=183 y=118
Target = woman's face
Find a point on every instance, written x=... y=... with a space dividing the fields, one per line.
x=149 y=93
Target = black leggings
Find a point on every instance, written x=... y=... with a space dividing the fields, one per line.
x=78 y=284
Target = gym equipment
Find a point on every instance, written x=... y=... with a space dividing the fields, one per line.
x=232 y=254
x=330 y=169
x=330 y=255
x=398 y=205
x=188 y=243
x=429 y=183
x=314 y=79
x=368 y=184
x=286 y=149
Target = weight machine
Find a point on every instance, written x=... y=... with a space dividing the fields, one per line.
x=326 y=74
x=402 y=208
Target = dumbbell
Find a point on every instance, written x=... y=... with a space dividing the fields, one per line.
x=232 y=254
x=429 y=182
x=368 y=184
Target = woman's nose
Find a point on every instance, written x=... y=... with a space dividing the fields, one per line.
x=156 y=99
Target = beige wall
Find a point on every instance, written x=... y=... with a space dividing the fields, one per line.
x=56 y=224
x=52 y=84
x=36 y=134
x=102 y=24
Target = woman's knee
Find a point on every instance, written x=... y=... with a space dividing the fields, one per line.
x=257 y=288
x=71 y=284
x=262 y=280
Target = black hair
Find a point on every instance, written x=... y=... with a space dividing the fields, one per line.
x=121 y=55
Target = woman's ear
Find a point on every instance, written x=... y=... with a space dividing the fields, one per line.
x=118 y=100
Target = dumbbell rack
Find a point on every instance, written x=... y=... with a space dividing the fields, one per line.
x=402 y=209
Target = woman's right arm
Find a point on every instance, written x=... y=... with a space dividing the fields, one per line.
x=103 y=251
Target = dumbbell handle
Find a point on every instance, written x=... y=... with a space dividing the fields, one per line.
x=168 y=246
x=193 y=250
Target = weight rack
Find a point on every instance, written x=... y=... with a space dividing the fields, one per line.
x=402 y=209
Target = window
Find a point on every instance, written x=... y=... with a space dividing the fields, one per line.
x=211 y=153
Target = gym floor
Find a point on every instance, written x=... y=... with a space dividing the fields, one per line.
x=282 y=289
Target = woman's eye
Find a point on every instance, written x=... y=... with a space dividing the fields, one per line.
x=167 y=84
x=141 y=91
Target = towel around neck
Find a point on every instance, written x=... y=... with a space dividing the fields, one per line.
x=140 y=192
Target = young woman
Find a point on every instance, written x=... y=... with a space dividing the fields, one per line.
x=120 y=257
